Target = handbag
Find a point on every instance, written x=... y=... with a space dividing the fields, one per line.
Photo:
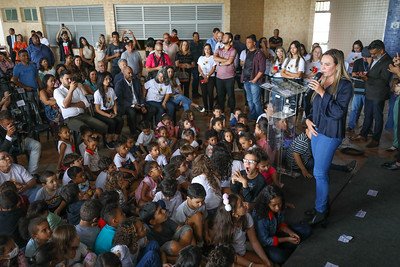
x=182 y=75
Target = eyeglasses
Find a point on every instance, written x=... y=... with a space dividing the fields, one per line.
x=250 y=161
x=5 y=157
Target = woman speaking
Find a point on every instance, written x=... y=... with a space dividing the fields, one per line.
x=327 y=124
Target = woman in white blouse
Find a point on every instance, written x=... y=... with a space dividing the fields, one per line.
x=206 y=67
x=294 y=65
x=106 y=108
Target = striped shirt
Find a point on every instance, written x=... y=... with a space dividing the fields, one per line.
x=301 y=145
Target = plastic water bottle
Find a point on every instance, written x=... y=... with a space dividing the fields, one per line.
x=286 y=107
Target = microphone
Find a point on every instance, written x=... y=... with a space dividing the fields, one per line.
x=316 y=78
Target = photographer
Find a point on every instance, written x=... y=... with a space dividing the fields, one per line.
x=10 y=140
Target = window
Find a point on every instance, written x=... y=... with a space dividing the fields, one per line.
x=153 y=20
x=10 y=14
x=86 y=21
x=30 y=14
x=322 y=21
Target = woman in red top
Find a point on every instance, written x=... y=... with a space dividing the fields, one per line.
x=19 y=44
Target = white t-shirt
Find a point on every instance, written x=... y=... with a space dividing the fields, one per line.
x=120 y=161
x=82 y=148
x=66 y=179
x=278 y=66
x=61 y=93
x=44 y=41
x=144 y=139
x=239 y=237
x=101 y=180
x=176 y=153
x=206 y=64
x=291 y=66
x=212 y=200
x=111 y=97
x=91 y=159
x=310 y=66
x=171 y=204
x=156 y=91
x=161 y=159
x=17 y=173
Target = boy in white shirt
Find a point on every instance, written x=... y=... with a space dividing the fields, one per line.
x=154 y=154
x=125 y=161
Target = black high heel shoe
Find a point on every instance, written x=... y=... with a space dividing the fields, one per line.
x=319 y=219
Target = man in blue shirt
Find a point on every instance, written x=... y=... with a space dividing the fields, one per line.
x=25 y=73
x=213 y=40
x=37 y=51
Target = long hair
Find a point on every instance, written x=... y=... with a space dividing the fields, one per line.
x=340 y=73
x=63 y=236
x=359 y=43
x=297 y=44
x=81 y=43
x=202 y=165
x=211 y=52
x=101 y=88
x=225 y=224
x=312 y=54
x=221 y=160
x=126 y=234
x=172 y=80
x=283 y=54
x=263 y=199
x=181 y=47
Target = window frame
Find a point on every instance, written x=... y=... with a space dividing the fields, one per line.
x=12 y=9
x=30 y=9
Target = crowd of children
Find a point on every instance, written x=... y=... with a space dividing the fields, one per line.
x=166 y=197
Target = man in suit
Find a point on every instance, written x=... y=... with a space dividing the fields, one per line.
x=9 y=141
x=377 y=92
x=131 y=102
x=10 y=42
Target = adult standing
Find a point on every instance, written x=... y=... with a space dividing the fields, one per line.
x=65 y=44
x=19 y=44
x=377 y=90
x=25 y=73
x=134 y=61
x=275 y=41
x=359 y=68
x=130 y=100
x=252 y=77
x=156 y=60
x=86 y=52
x=113 y=54
x=101 y=49
x=206 y=68
x=170 y=48
x=196 y=49
x=158 y=94
x=327 y=124
x=43 y=40
x=225 y=57
x=214 y=39
x=73 y=103
x=185 y=62
x=37 y=51
x=11 y=39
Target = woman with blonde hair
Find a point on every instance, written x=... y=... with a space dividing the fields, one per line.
x=185 y=62
x=327 y=124
x=101 y=48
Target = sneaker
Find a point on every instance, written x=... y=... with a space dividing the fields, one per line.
x=391 y=149
x=201 y=109
x=110 y=145
x=352 y=166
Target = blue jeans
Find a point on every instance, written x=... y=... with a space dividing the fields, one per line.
x=253 y=97
x=282 y=252
x=323 y=149
x=160 y=110
x=356 y=107
x=186 y=102
x=150 y=255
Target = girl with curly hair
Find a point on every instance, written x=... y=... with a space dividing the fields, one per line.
x=204 y=173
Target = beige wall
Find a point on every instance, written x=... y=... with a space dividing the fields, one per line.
x=247 y=17
x=292 y=18
x=356 y=19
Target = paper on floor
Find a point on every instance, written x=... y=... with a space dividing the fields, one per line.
x=361 y=214
x=345 y=238
x=328 y=264
x=372 y=193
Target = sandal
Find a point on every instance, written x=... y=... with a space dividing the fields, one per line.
x=391 y=149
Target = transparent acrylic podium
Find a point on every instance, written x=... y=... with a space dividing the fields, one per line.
x=284 y=96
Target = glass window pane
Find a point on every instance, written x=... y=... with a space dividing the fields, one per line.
x=34 y=14
x=27 y=14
